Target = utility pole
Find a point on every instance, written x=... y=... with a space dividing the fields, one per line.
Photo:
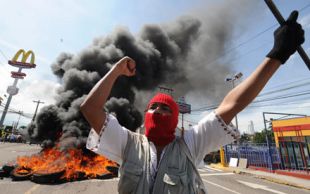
x=183 y=108
x=35 y=112
x=20 y=114
x=232 y=80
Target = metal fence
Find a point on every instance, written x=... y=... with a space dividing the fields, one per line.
x=257 y=155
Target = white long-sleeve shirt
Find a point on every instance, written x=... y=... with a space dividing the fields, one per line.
x=208 y=135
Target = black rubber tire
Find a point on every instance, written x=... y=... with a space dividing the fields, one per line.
x=106 y=175
x=8 y=168
x=47 y=178
x=4 y=173
x=113 y=170
x=20 y=177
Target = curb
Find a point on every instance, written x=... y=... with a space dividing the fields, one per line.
x=271 y=179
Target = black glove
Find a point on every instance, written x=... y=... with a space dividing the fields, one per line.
x=287 y=38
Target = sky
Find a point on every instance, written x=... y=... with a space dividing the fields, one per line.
x=54 y=26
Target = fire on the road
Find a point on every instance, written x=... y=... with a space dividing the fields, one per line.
x=70 y=165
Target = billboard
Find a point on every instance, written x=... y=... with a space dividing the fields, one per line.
x=183 y=107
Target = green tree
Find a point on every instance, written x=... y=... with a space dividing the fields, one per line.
x=260 y=137
x=245 y=138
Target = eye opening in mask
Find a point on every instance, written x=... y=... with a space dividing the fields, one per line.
x=162 y=107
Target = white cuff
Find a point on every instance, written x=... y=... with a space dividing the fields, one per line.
x=93 y=140
x=230 y=129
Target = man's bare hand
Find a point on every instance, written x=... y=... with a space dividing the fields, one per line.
x=126 y=66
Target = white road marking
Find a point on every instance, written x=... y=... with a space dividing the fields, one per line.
x=262 y=187
x=205 y=170
x=214 y=169
x=95 y=180
x=220 y=186
x=32 y=189
x=217 y=174
x=105 y=180
x=9 y=182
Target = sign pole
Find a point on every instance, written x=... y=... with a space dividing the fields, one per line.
x=13 y=90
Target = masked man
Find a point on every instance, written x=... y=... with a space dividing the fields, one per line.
x=159 y=162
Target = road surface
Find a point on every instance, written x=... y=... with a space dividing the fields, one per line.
x=216 y=181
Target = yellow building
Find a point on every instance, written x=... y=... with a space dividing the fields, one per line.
x=292 y=137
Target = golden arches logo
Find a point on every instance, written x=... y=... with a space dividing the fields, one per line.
x=25 y=56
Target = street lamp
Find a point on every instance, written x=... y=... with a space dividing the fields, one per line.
x=232 y=79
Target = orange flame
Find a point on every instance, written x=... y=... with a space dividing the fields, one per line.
x=73 y=161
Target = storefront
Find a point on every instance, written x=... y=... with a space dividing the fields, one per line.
x=292 y=138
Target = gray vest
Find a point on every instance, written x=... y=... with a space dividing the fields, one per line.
x=176 y=172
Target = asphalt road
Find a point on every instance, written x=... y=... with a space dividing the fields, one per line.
x=219 y=182
x=216 y=181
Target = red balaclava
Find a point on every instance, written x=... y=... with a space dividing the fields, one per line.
x=160 y=128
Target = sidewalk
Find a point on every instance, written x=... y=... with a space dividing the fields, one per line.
x=277 y=178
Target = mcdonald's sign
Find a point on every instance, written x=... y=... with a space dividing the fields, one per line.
x=24 y=56
x=18 y=75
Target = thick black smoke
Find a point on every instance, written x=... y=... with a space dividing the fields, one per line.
x=176 y=54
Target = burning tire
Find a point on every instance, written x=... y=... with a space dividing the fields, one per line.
x=79 y=176
x=3 y=173
x=43 y=177
x=21 y=173
x=6 y=170
x=113 y=170
x=107 y=175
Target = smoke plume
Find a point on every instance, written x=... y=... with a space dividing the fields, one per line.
x=180 y=54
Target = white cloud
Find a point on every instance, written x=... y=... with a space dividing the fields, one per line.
x=5 y=78
x=38 y=25
x=43 y=90
x=305 y=21
x=29 y=90
x=256 y=114
x=8 y=45
x=34 y=25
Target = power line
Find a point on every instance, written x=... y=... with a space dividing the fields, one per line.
x=15 y=111
x=4 y=55
x=212 y=107
x=288 y=83
x=283 y=96
x=248 y=52
x=284 y=89
x=250 y=39
x=262 y=94
x=304 y=8
x=290 y=101
x=285 y=103
x=241 y=44
x=26 y=115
